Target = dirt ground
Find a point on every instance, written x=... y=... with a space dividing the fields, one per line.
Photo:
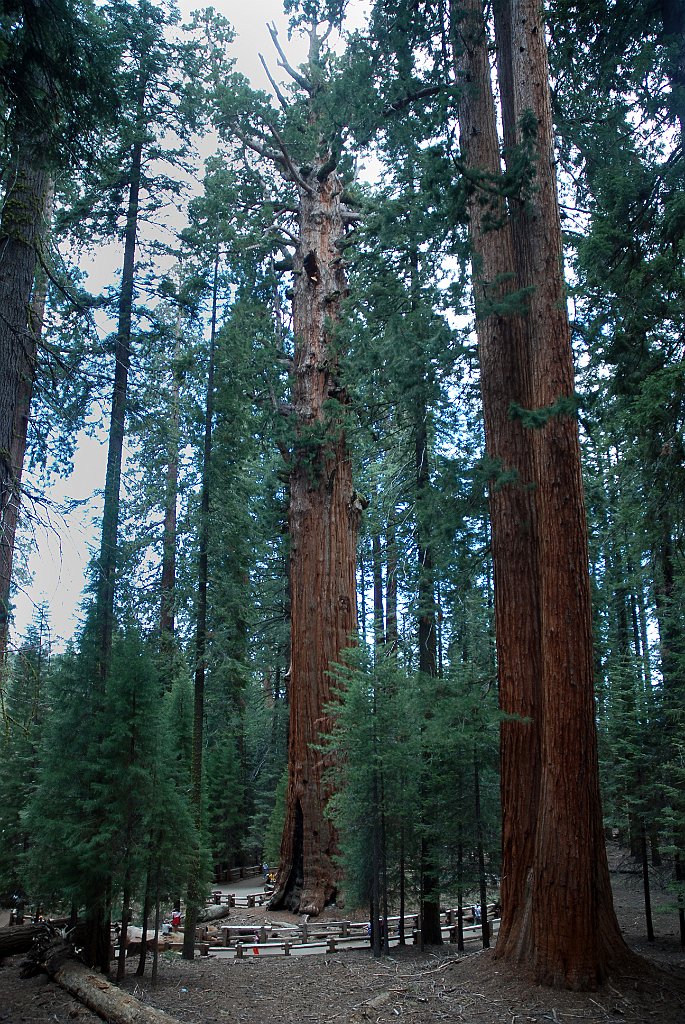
x=353 y=988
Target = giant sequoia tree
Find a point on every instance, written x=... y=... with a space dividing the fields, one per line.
x=554 y=858
x=323 y=522
x=629 y=263
x=305 y=148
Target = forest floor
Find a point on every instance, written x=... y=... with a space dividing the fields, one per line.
x=353 y=988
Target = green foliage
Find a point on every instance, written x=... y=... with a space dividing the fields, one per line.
x=57 y=74
x=373 y=753
x=271 y=844
x=536 y=418
x=23 y=708
x=94 y=783
x=101 y=800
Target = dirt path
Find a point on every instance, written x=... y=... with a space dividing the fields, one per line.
x=353 y=988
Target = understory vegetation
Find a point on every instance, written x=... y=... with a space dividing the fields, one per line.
x=295 y=338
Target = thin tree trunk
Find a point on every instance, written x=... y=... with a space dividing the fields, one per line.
x=480 y=851
x=193 y=901
x=140 y=969
x=98 y=913
x=680 y=882
x=645 y=883
x=403 y=901
x=375 y=865
x=391 y=587
x=644 y=637
x=431 y=932
x=377 y=564
x=125 y=922
x=167 y=611
x=324 y=514
x=122 y=360
x=155 y=948
x=362 y=597
x=460 y=893
x=384 y=872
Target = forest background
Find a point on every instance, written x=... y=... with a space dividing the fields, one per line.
x=154 y=749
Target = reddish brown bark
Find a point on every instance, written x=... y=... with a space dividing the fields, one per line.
x=557 y=908
x=323 y=528
x=569 y=879
x=505 y=379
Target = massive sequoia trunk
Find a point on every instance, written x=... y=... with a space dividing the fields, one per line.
x=569 y=879
x=505 y=379
x=323 y=528
x=557 y=908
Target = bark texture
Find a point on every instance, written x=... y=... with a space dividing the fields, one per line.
x=22 y=230
x=323 y=528
x=569 y=880
x=557 y=908
x=19 y=938
x=505 y=379
x=10 y=517
x=100 y=996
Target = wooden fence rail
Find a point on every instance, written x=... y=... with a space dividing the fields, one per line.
x=308 y=933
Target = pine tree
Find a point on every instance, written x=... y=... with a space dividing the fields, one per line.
x=23 y=715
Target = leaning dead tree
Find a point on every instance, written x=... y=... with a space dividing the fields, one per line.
x=324 y=508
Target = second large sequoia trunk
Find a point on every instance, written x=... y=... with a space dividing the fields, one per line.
x=323 y=528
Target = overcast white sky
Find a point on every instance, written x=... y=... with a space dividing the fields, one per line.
x=61 y=548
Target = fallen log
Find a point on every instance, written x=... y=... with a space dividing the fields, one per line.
x=134 y=947
x=19 y=938
x=213 y=913
x=99 y=995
